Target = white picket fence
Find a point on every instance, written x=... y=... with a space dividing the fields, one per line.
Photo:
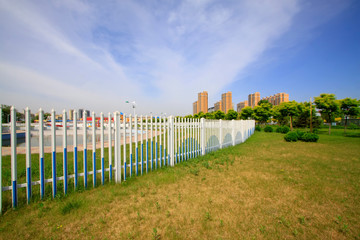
x=163 y=141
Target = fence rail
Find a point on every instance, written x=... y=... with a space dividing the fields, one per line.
x=164 y=141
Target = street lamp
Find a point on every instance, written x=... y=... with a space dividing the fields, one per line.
x=133 y=106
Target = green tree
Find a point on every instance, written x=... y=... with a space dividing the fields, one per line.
x=219 y=114
x=246 y=113
x=263 y=101
x=280 y=119
x=303 y=118
x=328 y=107
x=209 y=115
x=188 y=116
x=5 y=113
x=232 y=114
x=349 y=108
x=290 y=109
x=263 y=112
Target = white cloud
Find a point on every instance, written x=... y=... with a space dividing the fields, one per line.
x=99 y=54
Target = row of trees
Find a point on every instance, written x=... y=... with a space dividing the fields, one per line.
x=296 y=114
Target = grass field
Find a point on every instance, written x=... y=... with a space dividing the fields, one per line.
x=264 y=188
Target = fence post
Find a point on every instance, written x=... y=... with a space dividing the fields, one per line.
x=102 y=148
x=13 y=157
x=0 y=160
x=124 y=146
x=75 y=150
x=65 y=171
x=117 y=148
x=221 y=133
x=110 y=146
x=85 y=148
x=28 y=154
x=202 y=137
x=41 y=155
x=171 y=142
x=53 y=149
x=233 y=132
x=93 y=125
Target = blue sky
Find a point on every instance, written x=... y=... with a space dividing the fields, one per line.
x=95 y=55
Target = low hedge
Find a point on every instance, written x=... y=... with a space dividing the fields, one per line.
x=283 y=129
x=268 y=129
x=302 y=136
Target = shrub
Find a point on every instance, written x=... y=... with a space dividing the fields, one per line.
x=353 y=126
x=268 y=129
x=285 y=129
x=310 y=137
x=258 y=128
x=300 y=134
x=291 y=137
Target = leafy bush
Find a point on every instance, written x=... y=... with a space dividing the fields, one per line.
x=309 y=137
x=285 y=129
x=291 y=137
x=268 y=129
x=300 y=134
x=258 y=128
x=353 y=126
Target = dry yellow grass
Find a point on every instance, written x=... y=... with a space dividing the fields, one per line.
x=263 y=189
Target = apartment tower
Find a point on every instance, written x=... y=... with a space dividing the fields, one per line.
x=226 y=102
x=277 y=99
x=241 y=105
x=195 y=111
x=254 y=99
x=217 y=106
x=202 y=102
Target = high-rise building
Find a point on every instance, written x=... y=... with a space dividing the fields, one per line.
x=195 y=111
x=71 y=114
x=226 y=102
x=217 y=106
x=241 y=105
x=254 y=99
x=211 y=109
x=80 y=113
x=277 y=99
x=202 y=103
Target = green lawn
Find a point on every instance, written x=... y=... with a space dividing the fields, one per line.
x=265 y=188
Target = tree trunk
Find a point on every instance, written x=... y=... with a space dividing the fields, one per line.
x=345 y=124
x=291 y=128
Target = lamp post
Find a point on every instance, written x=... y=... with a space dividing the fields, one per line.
x=133 y=106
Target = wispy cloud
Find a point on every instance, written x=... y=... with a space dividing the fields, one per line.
x=73 y=53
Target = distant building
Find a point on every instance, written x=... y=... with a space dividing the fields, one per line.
x=202 y=103
x=211 y=109
x=253 y=99
x=71 y=114
x=226 y=102
x=241 y=105
x=195 y=108
x=80 y=113
x=217 y=106
x=277 y=99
